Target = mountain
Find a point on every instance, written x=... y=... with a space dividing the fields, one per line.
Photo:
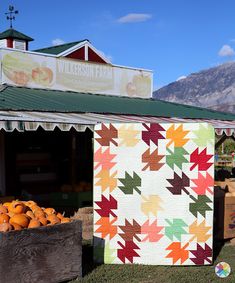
x=213 y=88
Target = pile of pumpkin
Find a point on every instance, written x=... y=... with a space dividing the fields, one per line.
x=17 y=215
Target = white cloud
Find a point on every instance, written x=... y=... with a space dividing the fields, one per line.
x=134 y=18
x=58 y=41
x=181 y=78
x=226 y=51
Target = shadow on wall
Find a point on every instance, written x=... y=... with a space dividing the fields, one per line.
x=90 y=258
x=98 y=250
x=218 y=227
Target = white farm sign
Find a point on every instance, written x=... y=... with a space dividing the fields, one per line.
x=30 y=69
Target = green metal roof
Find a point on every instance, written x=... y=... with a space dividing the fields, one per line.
x=27 y=99
x=12 y=33
x=55 y=50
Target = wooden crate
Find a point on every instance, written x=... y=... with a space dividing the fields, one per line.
x=229 y=217
x=42 y=255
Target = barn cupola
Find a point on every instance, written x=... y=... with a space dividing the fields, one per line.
x=12 y=38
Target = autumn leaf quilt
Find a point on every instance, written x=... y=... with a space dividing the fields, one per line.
x=153 y=193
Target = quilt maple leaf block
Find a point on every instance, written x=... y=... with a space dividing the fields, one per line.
x=153 y=193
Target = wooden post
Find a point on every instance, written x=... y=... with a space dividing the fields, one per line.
x=220 y=141
x=73 y=160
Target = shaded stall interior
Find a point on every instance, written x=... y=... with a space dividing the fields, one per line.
x=54 y=168
x=224 y=190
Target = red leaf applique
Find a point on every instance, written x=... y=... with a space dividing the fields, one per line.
x=153 y=133
x=127 y=251
x=201 y=255
x=106 y=206
x=179 y=184
x=201 y=160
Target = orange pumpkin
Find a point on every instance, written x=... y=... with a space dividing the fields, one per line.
x=20 y=219
x=17 y=207
x=65 y=220
x=35 y=207
x=3 y=209
x=16 y=226
x=4 y=227
x=17 y=215
x=39 y=213
x=42 y=220
x=34 y=223
x=30 y=203
x=30 y=214
x=4 y=218
x=49 y=210
x=59 y=215
x=10 y=214
x=7 y=204
x=53 y=219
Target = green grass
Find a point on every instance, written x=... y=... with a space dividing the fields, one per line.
x=152 y=274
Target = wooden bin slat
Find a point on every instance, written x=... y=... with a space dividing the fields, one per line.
x=43 y=255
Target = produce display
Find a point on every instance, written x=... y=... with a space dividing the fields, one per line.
x=18 y=215
x=82 y=186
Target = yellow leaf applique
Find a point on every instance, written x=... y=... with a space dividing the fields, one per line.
x=151 y=204
x=199 y=231
x=106 y=180
x=128 y=135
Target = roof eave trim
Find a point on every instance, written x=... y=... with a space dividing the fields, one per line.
x=72 y=49
x=99 y=53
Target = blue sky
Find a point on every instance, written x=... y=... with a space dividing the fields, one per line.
x=171 y=37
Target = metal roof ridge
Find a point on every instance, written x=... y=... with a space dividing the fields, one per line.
x=61 y=45
x=149 y=101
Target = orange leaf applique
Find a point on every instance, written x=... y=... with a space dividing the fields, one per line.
x=177 y=136
x=178 y=252
x=106 y=227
